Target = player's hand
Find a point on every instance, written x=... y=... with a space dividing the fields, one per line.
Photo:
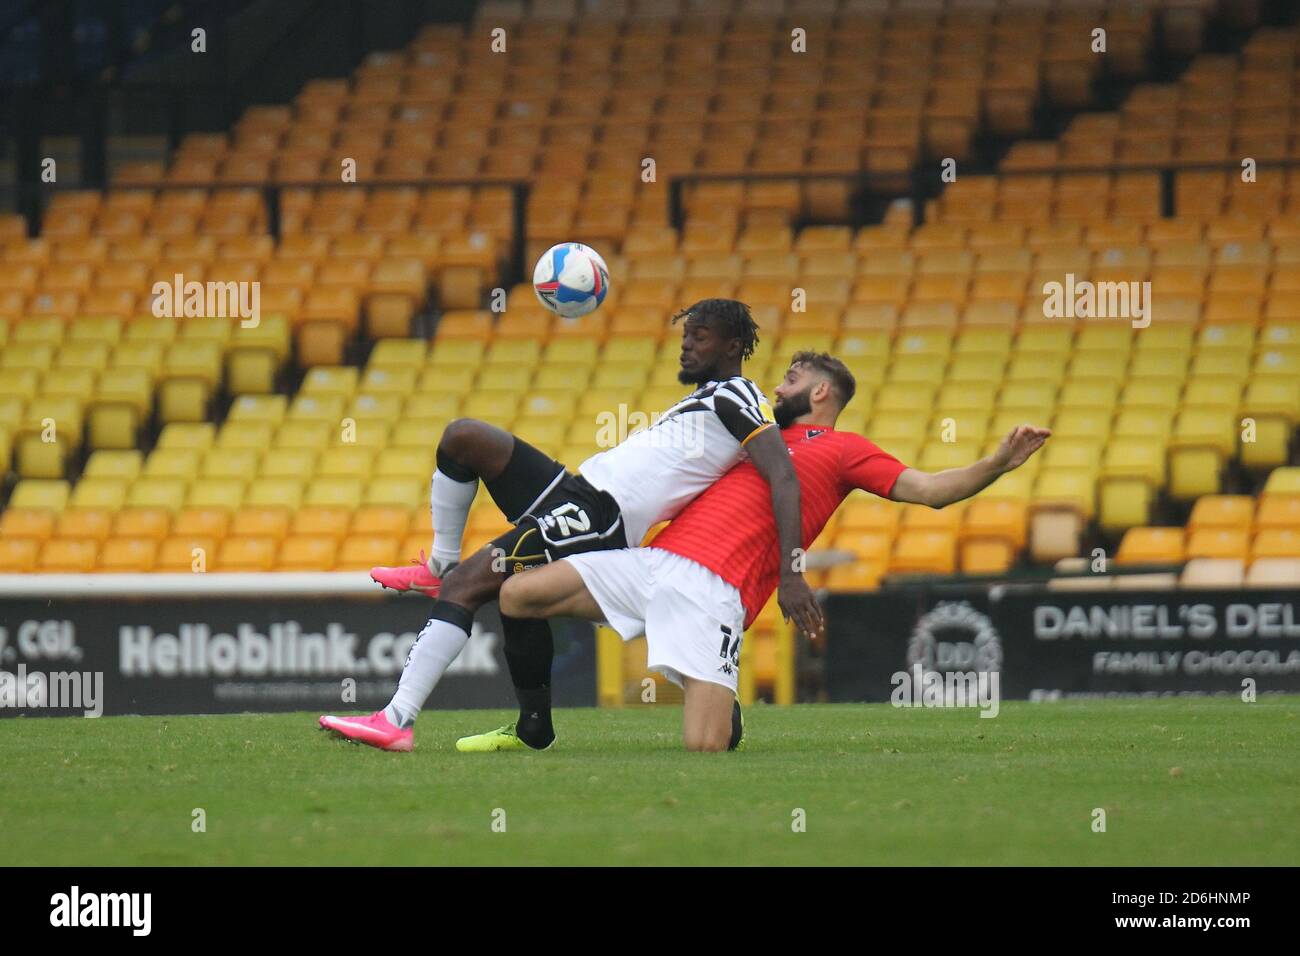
x=1016 y=448
x=799 y=604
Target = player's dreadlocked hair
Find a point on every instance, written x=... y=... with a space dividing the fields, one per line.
x=730 y=317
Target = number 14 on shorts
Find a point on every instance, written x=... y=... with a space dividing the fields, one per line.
x=730 y=652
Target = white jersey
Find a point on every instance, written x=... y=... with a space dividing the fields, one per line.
x=657 y=471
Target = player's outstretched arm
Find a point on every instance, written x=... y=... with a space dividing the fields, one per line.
x=768 y=451
x=941 y=488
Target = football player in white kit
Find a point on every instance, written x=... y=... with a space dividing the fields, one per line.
x=615 y=498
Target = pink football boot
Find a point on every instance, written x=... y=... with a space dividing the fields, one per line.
x=373 y=729
x=415 y=576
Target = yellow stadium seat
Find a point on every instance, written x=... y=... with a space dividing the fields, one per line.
x=108 y=493
x=1158 y=364
x=307 y=553
x=18 y=555
x=95 y=523
x=230 y=462
x=1160 y=394
x=1075 y=488
x=1134 y=458
x=246 y=553
x=19 y=356
x=1278 y=510
x=1002 y=520
x=514 y=352
x=503 y=378
x=572 y=351
x=1123 y=502
x=1106 y=366
x=1068 y=453
x=227 y=493
x=1283 y=481
x=165 y=493
x=200 y=435
x=1036 y=367
x=847 y=578
x=128 y=555
x=1149 y=424
x=321 y=413
x=498 y=408
x=321 y=521
x=142 y=522
x=38 y=459
x=203 y=521
x=268 y=521
x=924 y=552
x=362 y=552
x=28 y=522
x=865 y=513
x=87 y=355
x=381 y=520
x=872 y=547
x=1222 y=511
x=1151 y=546
x=56 y=417
x=259 y=408
x=345 y=462
x=271 y=492
x=447 y=384
x=186 y=553
x=388 y=380
x=183 y=400
x=1017 y=486
x=323 y=380
x=336 y=492
x=1219 y=543
x=67 y=556
x=1053 y=340
x=180 y=463
x=1277 y=543
x=983 y=340
x=986 y=556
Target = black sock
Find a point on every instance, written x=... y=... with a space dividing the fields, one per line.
x=534 y=724
x=529 y=648
x=737 y=726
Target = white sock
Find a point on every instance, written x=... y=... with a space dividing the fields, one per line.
x=449 y=502
x=433 y=652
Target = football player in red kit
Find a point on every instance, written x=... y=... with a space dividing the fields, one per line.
x=706 y=576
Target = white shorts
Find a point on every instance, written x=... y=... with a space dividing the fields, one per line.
x=692 y=619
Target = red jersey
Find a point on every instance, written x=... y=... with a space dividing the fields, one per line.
x=731 y=530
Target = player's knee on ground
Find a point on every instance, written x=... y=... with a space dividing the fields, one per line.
x=706 y=716
x=708 y=740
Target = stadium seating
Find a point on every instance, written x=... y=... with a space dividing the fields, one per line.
x=1172 y=443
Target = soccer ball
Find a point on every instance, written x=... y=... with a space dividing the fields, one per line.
x=571 y=279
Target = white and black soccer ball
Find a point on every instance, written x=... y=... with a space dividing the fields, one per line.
x=571 y=279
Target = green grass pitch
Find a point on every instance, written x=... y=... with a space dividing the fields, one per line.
x=1183 y=782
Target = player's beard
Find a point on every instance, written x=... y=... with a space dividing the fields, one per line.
x=699 y=376
x=791 y=407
